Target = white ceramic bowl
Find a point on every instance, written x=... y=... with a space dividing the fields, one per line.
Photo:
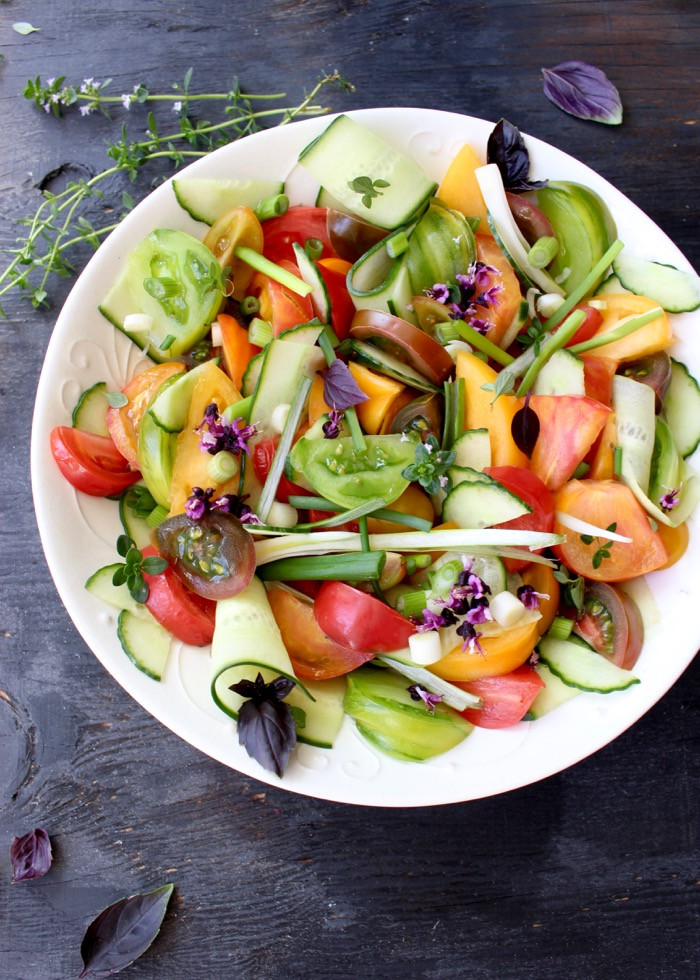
x=79 y=532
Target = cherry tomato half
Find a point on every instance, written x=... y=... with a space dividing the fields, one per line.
x=507 y=698
x=214 y=556
x=187 y=616
x=359 y=621
x=282 y=307
x=612 y=624
x=91 y=463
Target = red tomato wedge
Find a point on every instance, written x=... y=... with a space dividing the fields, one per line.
x=359 y=621
x=597 y=376
x=569 y=425
x=507 y=698
x=342 y=307
x=187 y=616
x=91 y=463
x=589 y=327
x=297 y=225
x=314 y=655
x=123 y=423
x=263 y=454
x=282 y=307
x=602 y=503
x=532 y=491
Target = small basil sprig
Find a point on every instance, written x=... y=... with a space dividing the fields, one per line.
x=430 y=465
x=266 y=726
x=140 y=500
x=131 y=572
x=506 y=148
x=573 y=587
x=603 y=551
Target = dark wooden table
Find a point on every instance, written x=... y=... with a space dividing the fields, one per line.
x=591 y=873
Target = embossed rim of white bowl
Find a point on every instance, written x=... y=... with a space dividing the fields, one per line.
x=488 y=762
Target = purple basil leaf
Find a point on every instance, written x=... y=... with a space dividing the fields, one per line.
x=340 y=390
x=268 y=733
x=506 y=148
x=122 y=932
x=583 y=91
x=525 y=429
x=30 y=855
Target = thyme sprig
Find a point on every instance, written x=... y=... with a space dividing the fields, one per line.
x=57 y=225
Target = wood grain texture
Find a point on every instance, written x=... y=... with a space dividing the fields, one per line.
x=592 y=873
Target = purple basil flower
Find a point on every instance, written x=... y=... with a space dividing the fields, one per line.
x=479 y=613
x=670 y=499
x=431 y=621
x=331 y=428
x=231 y=503
x=482 y=271
x=529 y=598
x=440 y=292
x=221 y=434
x=198 y=503
x=489 y=297
x=471 y=638
x=420 y=693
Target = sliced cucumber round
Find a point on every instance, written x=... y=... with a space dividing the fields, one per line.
x=385 y=363
x=674 y=290
x=90 y=411
x=206 y=198
x=682 y=408
x=554 y=693
x=311 y=275
x=100 y=584
x=478 y=504
x=145 y=642
x=583 y=668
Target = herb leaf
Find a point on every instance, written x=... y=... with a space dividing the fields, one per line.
x=122 y=932
x=23 y=27
x=266 y=726
x=506 y=148
x=525 y=428
x=30 y=855
x=583 y=91
x=340 y=390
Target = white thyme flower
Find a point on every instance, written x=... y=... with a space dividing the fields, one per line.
x=126 y=101
x=177 y=106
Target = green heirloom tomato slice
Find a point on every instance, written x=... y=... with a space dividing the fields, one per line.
x=345 y=475
x=175 y=279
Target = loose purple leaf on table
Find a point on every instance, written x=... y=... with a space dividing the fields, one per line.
x=583 y=91
x=340 y=390
x=122 y=932
x=30 y=855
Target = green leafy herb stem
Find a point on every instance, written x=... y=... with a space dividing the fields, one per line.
x=603 y=551
x=57 y=226
x=131 y=572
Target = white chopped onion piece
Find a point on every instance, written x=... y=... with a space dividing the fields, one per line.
x=217 y=337
x=278 y=416
x=583 y=527
x=506 y=609
x=138 y=323
x=548 y=304
x=425 y=648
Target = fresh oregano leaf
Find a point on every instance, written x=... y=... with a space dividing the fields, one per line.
x=506 y=148
x=116 y=399
x=30 y=855
x=583 y=91
x=340 y=390
x=122 y=932
x=23 y=27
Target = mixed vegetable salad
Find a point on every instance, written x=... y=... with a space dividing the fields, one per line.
x=396 y=450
